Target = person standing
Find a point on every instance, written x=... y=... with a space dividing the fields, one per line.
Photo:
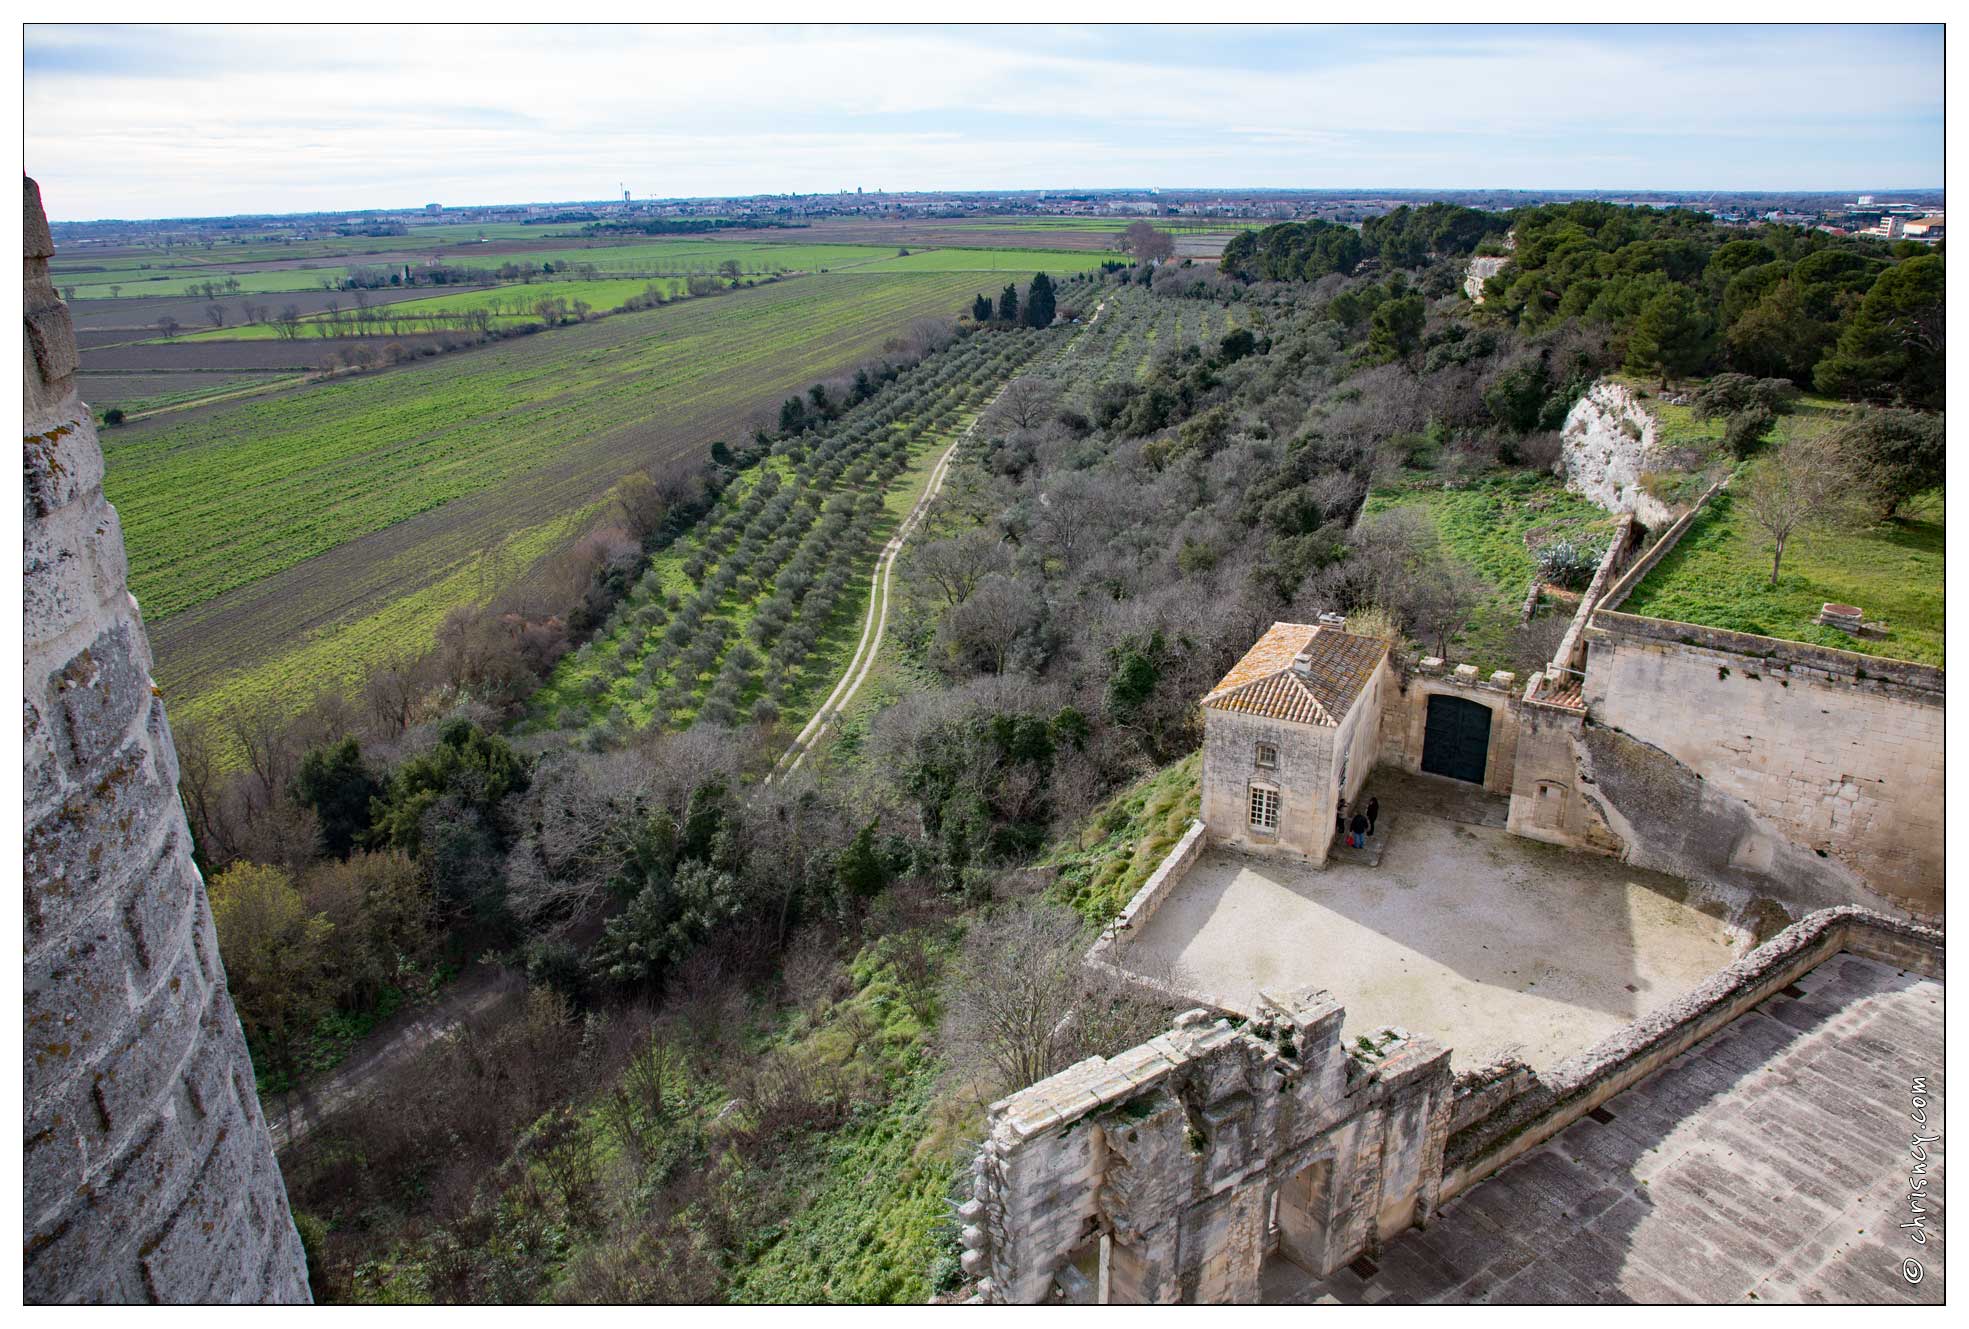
x=1373 y=811
x=1357 y=831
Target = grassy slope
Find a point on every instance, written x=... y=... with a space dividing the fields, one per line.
x=1719 y=576
x=1118 y=848
x=1485 y=527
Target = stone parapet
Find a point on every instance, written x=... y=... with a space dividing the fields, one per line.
x=1502 y=1111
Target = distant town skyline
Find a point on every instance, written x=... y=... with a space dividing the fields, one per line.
x=140 y=122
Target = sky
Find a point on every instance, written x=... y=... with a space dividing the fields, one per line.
x=137 y=122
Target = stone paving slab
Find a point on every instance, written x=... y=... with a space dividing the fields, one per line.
x=1769 y=1164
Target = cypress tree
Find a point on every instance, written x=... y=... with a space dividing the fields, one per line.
x=1039 y=301
x=1008 y=303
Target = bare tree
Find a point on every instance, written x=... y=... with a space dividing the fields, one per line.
x=215 y=314
x=168 y=326
x=1801 y=484
x=953 y=568
x=1026 y=402
x=1024 y=1005
x=1145 y=242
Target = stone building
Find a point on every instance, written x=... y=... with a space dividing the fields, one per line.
x=1173 y=1171
x=1290 y=734
x=148 y=1172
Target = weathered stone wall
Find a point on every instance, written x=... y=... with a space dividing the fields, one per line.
x=1552 y=798
x=1303 y=777
x=1811 y=775
x=1609 y=441
x=1171 y=1159
x=148 y=1171
x=1405 y=716
x=1501 y=1111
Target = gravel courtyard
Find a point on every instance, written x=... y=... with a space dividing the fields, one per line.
x=1486 y=942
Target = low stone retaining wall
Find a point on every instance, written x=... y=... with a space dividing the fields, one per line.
x=1139 y=909
x=1501 y=1111
x=1659 y=550
x=1623 y=535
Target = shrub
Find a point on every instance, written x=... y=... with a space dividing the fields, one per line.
x=1568 y=563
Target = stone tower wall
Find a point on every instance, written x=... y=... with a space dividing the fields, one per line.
x=148 y=1172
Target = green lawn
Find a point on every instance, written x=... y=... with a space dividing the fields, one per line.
x=1491 y=528
x=1720 y=576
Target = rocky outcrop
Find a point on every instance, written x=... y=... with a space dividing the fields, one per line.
x=1608 y=445
x=1480 y=271
x=148 y=1172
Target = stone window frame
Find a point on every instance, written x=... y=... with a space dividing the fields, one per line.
x=1265 y=758
x=1259 y=797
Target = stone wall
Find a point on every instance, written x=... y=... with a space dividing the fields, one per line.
x=148 y=1171
x=1173 y=1170
x=1303 y=778
x=1405 y=715
x=1501 y=1111
x=1808 y=774
x=1609 y=441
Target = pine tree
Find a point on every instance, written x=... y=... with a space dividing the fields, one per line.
x=1039 y=301
x=1008 y=304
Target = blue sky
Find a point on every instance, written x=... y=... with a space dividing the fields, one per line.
x=147 y=122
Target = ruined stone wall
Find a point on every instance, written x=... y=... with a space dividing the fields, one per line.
x=1552 y=797
x=148 y=1171
x=1161 y=1168
x=1807 y=774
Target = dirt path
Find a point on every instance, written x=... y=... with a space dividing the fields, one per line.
x=292 y=1115
x=877 y=620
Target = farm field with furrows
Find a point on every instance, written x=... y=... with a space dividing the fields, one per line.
x=506 y=306
x=305 y=534
x=754 y=612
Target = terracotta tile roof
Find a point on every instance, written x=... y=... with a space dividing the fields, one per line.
x=1567 y=694
x=1265 y=683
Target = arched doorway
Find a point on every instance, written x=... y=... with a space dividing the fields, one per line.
x=1456 y=738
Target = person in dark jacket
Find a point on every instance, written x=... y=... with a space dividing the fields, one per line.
x=1357 y=831
x=1373 y=811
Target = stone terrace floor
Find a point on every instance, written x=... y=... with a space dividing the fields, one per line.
x=1471 y=936
x=1766 y=1164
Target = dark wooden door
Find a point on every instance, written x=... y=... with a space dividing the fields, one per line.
x=1456 y=739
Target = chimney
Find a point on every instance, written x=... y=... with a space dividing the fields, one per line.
x=1338 y=622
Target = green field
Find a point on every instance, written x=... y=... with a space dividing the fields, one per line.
x=329 y=525
x=1491 y=528
x=1719 y=576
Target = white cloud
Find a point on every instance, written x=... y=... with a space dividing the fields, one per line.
x=158 y=121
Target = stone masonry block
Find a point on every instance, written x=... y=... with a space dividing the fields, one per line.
x=159 y=910
x=37 y=241
x=144 y=1065
x=51 y=336
x=81 y=850
x=61 y=465
x=75 y=997
x=74 y=1250
x=101 y=691
x=58 y=582
x=198 y=1254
